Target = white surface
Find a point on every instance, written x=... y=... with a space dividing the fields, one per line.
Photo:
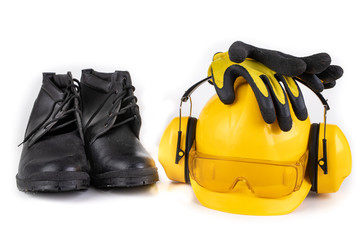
x=166 y=47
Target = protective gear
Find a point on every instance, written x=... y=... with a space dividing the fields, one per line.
x=334 y=163
x=266 y=82
x=237 y=163
x=315 y=70
x=53 y=156
x=112 y=122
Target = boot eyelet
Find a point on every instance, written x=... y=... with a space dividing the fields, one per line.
x=110 y=114
x=116 y=91
x=106 y=125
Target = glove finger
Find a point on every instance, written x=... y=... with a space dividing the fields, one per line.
x=313 y=82
x=317 y=63
x=280 y=102
x=329 y=85
x=227 y=94
x=239 y=51
x=295 y=96
x=279 y=62
x=332 y=73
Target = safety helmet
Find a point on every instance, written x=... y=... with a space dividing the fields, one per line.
x=237 y=163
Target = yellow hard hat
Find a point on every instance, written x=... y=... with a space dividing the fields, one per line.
x=270 y=163
x=237 y=163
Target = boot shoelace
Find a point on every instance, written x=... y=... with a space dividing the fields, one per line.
x=125 y=102
x=128 y=104
x=71 y=93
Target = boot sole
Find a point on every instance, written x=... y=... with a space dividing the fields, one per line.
x=126 y=178
x=54 y=182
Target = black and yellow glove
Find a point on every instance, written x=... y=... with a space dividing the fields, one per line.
x=314 y=70
x=265 y=80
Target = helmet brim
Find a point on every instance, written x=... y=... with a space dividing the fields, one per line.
x=247 y=203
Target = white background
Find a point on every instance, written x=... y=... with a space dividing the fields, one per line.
x=166 y=46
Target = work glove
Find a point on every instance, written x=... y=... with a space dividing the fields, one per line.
x=314 y=70
x=264 y=80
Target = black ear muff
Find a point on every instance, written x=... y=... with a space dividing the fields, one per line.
x=190 y=137
x=312 y=166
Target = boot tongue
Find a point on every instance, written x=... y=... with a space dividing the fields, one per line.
x=62 y=80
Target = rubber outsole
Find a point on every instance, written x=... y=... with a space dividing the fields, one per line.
x=126 y=178
x=54 y=182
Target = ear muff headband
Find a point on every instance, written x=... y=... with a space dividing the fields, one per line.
x=190 y=130
x=179 y=152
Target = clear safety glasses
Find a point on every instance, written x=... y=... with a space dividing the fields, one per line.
x=267 y=179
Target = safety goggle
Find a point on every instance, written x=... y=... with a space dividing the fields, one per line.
x=267 y=179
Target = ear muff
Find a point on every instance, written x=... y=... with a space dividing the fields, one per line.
x=168 y=153
x=177 y=141
x=338 y=158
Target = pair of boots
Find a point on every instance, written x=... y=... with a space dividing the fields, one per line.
x=84 y=132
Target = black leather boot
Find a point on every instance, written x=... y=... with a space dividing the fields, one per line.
x=111 y=121
x=53 y=157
